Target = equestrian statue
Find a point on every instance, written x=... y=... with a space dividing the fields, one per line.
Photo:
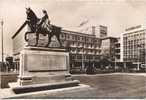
x=41 y=26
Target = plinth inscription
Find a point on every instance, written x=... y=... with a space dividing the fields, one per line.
x=41 y=62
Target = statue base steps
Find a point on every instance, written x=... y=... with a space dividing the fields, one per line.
x=17 y=89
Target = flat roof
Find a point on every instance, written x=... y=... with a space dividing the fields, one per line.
x=78 y=33
x=109 y=37
x=133 y=27
x=133 y=31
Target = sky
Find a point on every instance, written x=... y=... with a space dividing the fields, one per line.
x=117 y=15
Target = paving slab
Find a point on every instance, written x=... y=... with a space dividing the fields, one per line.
x=137 y=74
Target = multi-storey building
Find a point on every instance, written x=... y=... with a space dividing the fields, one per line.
x=134 y=44
x=99 y=31
x=84 y=48
x=108 y=47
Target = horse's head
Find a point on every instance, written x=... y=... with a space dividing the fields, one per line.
x=31 y=19
x=28 y=10
x=31 y=16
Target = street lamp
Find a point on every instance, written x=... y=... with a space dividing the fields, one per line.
x=2 y=23
x=115 y=63
x=83 y=57
x=139 y=46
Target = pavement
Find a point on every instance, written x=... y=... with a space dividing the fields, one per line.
x=109 y=85
x=135 y=74
x=8 y=93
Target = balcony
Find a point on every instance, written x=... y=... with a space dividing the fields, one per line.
x=117 y=48
x=80 y=46
x=73 y=45
x=97 y=48
x=81 y=52
x=73 y=51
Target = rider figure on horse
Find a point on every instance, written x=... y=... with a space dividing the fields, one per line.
x=41 y=26
x=44 y=22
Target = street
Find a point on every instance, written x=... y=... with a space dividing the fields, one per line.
x=103 y=86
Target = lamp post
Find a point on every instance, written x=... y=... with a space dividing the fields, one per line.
x=115 y=63
x=139 y=46
x=2 y=23
x=83 y=58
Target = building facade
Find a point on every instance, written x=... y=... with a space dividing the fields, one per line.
x=134 y=44
x=84 y=49
x=99 y=31
x=118 y=49
x=110 y=48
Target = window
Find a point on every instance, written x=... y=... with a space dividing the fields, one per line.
x=87 y=39
x=73 y=37
x=82 y=38
x=68 y=36
x=78 y=37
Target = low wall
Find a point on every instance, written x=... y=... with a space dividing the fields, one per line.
x=6 y=78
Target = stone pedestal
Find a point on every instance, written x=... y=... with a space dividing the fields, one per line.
x=43 y=65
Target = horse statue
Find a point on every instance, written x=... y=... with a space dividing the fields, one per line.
x=50 y=30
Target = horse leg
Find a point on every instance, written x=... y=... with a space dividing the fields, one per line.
x=58 y=38
x=49 y=40
x=37 y=38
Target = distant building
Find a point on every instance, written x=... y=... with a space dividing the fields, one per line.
x=109 y=47
x=134 y=44
x=99 y=31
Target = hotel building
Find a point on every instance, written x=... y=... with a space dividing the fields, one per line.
x=133 y=44
x=84 y=48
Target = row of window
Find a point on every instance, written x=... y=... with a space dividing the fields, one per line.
x=135 y=34
x=134 y=47
x=76 y=44
x=85 y=51
x=134 y=59
x=141 y=45
x=134 y=52
x=73 y=57
x=76 y=37
x=136 y=41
